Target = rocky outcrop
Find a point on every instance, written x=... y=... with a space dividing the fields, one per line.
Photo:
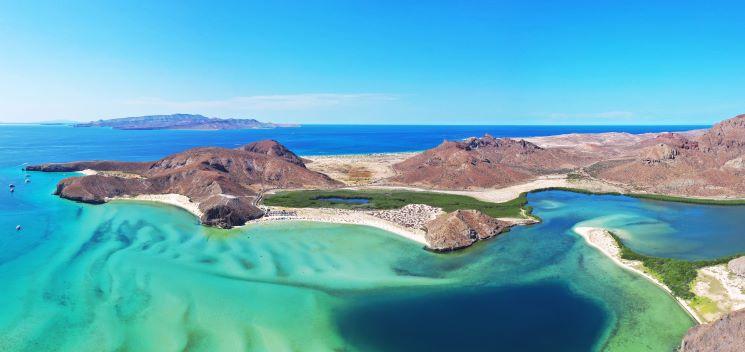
x=271 y=147
x=727 y=136
x=224 y=182
x=460 y=229
x=737 y=266
x=724 y=335
x=226 y=211
x=484 y=162
x=658 y=153
x=707 y=164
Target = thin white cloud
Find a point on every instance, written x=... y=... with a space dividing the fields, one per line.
x=256 y=103
x=607 y=115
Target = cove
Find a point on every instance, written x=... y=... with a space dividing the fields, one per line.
x=652 y=227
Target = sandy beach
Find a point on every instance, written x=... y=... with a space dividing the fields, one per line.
x=341 y=216
x=601 y=240
x=170 y=199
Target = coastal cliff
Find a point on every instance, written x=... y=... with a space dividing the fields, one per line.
x=225 y=183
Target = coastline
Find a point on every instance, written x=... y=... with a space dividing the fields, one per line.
x=172 y=199
x=341 y=216
x=601 y=240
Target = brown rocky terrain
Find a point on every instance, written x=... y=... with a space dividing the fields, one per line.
x=701 y=163
x=724 y=335
x=460 y=229
x=224 y=182
x=709 y=164
x=485 y=162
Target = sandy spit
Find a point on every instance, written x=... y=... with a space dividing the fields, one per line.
x=601 y=240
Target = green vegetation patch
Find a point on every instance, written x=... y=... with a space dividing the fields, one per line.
x=393 y=199
x=677 y=274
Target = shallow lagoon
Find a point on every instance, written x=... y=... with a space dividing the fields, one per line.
x=140 y=276
x=146 y=277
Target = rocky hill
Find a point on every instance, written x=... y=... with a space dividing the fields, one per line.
x=485 y=162
x=701 y=163
x=224 y=182
x=460 y=229
x=180 y=122
x=709 y=164
x=724 y=335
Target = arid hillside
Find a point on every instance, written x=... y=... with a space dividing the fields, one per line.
x=224 y=182
x=709 y=164
x=704 y=163
x=485 y=162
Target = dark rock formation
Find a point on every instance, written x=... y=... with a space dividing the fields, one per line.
x=460 y=229
x=227 y=211
x=225 y=182
x=724 y=335
x=484 y=162
x=180 y=122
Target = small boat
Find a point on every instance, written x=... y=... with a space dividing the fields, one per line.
x=12 y=190
x=18 y=227
x=11 y=185
x=27 y=181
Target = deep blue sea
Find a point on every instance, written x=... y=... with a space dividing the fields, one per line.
x=37 y=143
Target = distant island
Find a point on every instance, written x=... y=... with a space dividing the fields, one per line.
x=181 y=122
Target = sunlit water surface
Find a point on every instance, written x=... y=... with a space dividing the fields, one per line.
x=144 y=277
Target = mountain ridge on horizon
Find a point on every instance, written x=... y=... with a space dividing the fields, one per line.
x=181 y=121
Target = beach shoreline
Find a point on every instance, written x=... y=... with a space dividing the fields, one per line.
x=171 y=199
x=601 y=240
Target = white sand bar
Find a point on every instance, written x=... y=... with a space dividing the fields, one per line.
x=601 y=240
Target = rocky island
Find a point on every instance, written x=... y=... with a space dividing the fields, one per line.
x=181 y=122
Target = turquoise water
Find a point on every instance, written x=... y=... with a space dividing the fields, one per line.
x=139 y=276
x=145 y=277
x=662 y=229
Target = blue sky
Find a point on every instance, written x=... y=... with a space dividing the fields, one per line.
x=457 y=62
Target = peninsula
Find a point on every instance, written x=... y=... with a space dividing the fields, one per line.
x=181 y=122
